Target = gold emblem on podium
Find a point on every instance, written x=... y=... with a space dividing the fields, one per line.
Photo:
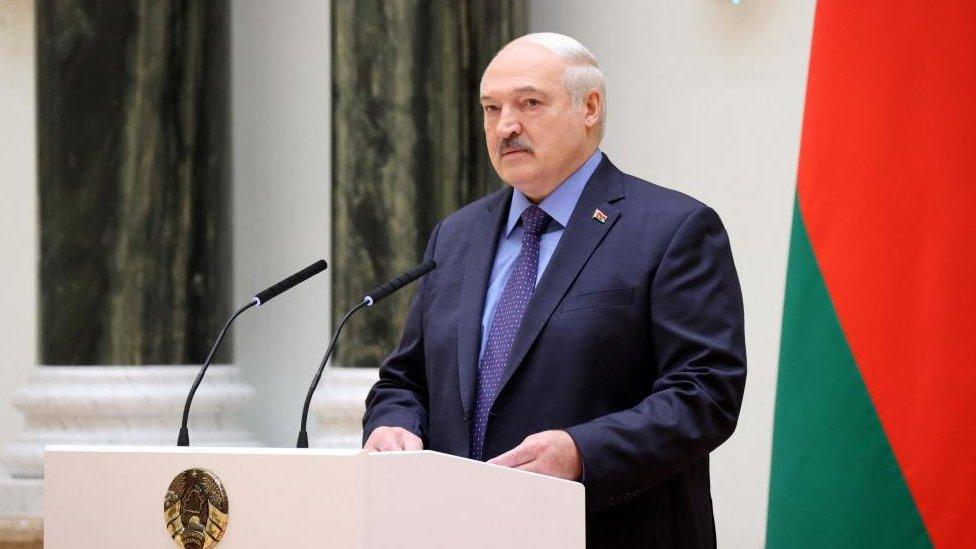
x=196 y=509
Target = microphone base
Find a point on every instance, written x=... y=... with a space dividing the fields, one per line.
x=302 y=439
x=184 y=437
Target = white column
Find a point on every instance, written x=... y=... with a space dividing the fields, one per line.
x=281 y=210
x=19 y=500
x=18 y=209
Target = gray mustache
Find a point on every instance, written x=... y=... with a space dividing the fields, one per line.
x=515 y=144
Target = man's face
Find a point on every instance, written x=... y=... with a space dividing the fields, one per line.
x=535 y=137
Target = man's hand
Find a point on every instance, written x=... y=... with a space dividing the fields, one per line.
x=392 y=439
x=552 y=453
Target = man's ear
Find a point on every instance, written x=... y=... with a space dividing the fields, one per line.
x=592 y=108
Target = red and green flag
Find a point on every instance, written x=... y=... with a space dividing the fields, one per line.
x=874 y=440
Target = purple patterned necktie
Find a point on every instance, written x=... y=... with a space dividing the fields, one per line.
x=505 y=324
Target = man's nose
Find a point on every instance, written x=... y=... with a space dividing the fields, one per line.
x=508 y=124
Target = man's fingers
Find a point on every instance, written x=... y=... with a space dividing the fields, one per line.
x=398 y=436
x=534 y=466
x=372 y=442
x=523 y=453
x=411 y=441
x=377 y=444
x=382 y=439
x=392 y=439
x=505 y=460
x=508 y=459
x=389 y=444
x=552 y=453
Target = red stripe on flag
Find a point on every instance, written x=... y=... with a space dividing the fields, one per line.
x=887 y=189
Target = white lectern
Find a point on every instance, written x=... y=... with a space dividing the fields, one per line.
x=113 y=497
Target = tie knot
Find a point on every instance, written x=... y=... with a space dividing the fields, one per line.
x=534 y=219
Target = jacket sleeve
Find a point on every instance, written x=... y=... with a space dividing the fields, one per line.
x=399 y=398
x=697 y=333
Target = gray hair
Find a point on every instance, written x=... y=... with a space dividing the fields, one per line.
x=583 y=73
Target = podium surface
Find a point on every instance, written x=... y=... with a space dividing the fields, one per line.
x=113 y=496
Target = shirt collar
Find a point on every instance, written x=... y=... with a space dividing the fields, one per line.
x=561 y=202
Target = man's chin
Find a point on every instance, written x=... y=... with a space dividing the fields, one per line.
x=518 y=178
x=517 y=172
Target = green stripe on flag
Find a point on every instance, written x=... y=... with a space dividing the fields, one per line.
x=834 y=480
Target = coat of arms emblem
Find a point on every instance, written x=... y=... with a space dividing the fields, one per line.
x=196 y=509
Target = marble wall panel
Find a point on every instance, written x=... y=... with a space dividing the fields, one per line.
x=407 y=141
x=133 y=177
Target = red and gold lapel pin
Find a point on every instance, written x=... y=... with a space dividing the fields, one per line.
x=600 y=216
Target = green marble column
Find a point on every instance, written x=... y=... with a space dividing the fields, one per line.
x=133 y=178
x=407 y=141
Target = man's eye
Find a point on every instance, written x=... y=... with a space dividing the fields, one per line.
x=531 y=102
x=490 y=108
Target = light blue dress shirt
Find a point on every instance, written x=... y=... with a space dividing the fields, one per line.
x=559 y=205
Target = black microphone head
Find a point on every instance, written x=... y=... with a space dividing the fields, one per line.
x=268 y=294
x=395 y=284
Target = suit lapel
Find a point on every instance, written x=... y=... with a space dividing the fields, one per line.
x=482 y=241
x=579 y=240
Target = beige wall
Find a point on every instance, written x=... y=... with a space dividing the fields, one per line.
x=706 y=97
x=18 y=208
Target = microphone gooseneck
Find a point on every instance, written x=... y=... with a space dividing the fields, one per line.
x=183 y=439
x=371 y=299
x=302 y=433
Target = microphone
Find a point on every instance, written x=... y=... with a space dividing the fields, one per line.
x=268 y=294
x=371 y=299
x=381 y=292
x=262 y=297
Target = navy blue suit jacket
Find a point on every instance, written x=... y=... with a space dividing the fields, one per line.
x=633 y=343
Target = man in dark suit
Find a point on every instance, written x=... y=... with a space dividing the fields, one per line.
x=583 y=323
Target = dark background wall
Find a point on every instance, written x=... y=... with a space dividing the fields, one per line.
x=407 y=141
x=133 y=179
x=134 y=173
